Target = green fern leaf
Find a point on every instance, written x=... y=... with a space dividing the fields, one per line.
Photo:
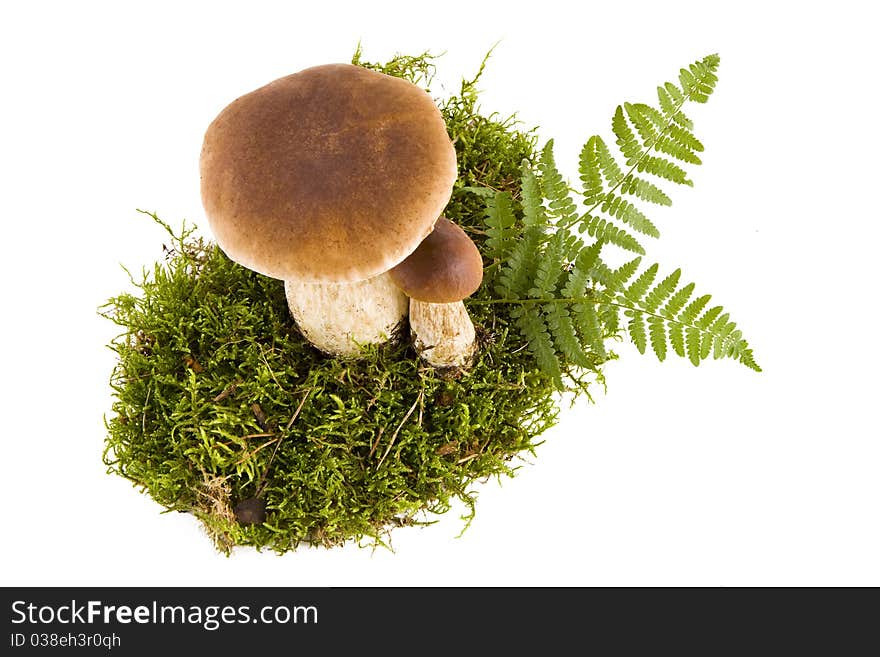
x=661 y=291
x=621 y=276
x=500 y=221
x=642 y=123
x=531 y=199
x=548 y=270
x=647 y=191
x=684 y=137
x=604 y=230
x=636 y=329
x=655 y=117
x=564 y=334
x=607 y=163
x=610 y=317
x=678 y=99
x=555 y=187
x=519 y=270
x=676 y=338
x=668 y=104
x=663 y=168
x=744 y=355
x=590 y=173
x=708 y=318
x=640 y=286
x=721 y=329
x=705 y=345
x=689 y=314
x=677 y=301
x=622 y=209
x=589 y=327
x=626 y=139
x=698 y=80
x=576 y=283
x=531 y=324
x=677 y=150
x=568 y=301
x=657 y=333
x=692 y=342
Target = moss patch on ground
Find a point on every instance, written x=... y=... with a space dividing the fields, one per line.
x=218 y=399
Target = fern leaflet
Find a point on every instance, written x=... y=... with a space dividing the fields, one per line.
x=566 y=300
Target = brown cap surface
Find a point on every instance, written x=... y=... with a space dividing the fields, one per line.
x=446 y=267
x=335 y=173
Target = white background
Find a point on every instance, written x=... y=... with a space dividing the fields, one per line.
x=676 y=476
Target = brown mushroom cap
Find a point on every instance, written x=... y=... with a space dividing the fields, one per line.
x=335 y=173
x=446 y=267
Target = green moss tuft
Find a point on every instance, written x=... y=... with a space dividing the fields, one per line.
x=218 y=399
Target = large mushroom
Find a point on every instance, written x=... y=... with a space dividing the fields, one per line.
x=445 y=269
x=326 y=179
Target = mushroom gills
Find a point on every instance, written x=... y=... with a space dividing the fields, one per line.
x=341 y=318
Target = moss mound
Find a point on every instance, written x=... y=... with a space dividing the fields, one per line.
x=219 y=400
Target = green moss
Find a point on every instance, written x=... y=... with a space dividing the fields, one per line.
x=217 y=397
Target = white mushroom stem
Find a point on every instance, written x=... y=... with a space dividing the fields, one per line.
x=340 y=318
x=443 y=333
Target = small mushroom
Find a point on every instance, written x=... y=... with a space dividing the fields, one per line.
x=326 y=179
x=443 y=270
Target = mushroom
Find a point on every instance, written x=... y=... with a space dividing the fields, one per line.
x=443 y=270
x=326 y=179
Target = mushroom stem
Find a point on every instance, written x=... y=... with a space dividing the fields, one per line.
x=340 y=318
x=443 y=333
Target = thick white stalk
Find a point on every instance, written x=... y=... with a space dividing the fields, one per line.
x=443 y=333
x=340 y=318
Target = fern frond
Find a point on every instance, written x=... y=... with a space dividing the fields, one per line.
x=636 y=329
x=518 y=272
x=709 y=317
x=672 y=107
x=564 y=334
x=698 y=80
x=626 y=138
x=602 y=229
x=590 y=174
x=501 y=230
x=607 y=163
x=684 y=137
x=576 y=284
x=692 y=344
x=555 y=188
x=663 y=168
x=677 y=150
x=676 y=338
x=621 y=276
x=589 y=327
x=531 y=323
x=661 y=291
x=689 y=314
x=566 y=300
x=657 y=333
x=548 y=270
x=609 y=315
x=682 y=324
x=654 y=116
x=647 y=191
x=530 y=198
x=640 y=286
x=629 y=214
x=677 y=301
x=643 y=125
